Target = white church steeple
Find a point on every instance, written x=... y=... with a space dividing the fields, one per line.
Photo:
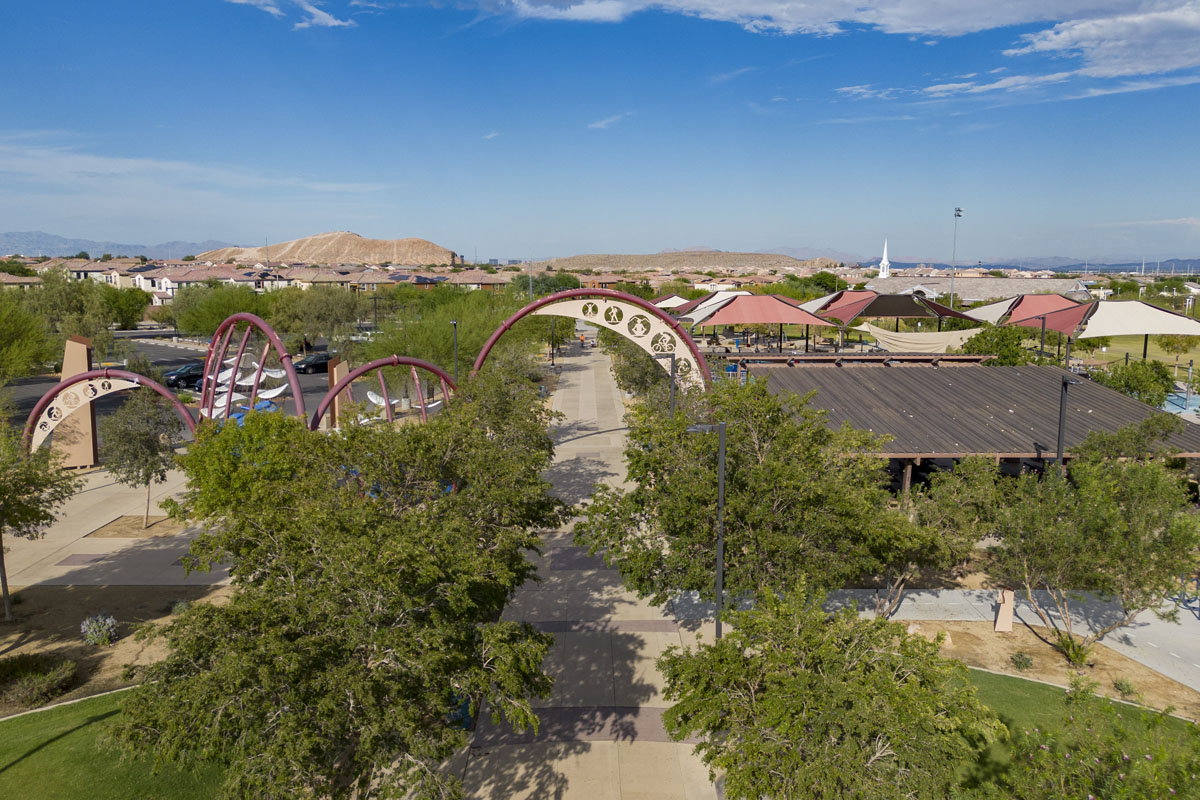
x=885 y=266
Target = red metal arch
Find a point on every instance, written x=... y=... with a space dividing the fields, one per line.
x=224 y=335
x=389 y=361
x=671 y=322
x=55 y=390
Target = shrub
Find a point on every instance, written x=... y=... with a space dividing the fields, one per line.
x=1126 y=689
x=31 y=679
x=1022 y=661
x=1076 y=652
x=99 y=629
x=180 y=606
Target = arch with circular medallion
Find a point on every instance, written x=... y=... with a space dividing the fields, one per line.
x=647 y=326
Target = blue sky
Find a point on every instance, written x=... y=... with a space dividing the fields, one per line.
x=554 y=127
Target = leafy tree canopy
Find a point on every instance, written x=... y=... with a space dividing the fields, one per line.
x=802 y=500
x=1007 y=344
x=138 y=441
x=32 y=487
x=794 y=702
x=200 y=310
x=371 y=567
x=125 y=306
x=25 y=344
x=1148 y=381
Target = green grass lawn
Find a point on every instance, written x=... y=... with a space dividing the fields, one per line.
x=56 y=754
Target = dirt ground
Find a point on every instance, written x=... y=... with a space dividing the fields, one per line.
x=976 y=645
x=130 y=527
x=48 y=619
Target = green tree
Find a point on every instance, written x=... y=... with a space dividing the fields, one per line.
x=14 y=267
x=199 y=310
x=1007 y=344
x=1175 y=345
x=138 y=442
x=1148 y=381
x=125 y=306
x=634 y=369
x=827 y=281
x=794 y=702
x=1119 y=524
x=72 y=308
x=32 y=487
x=82 y=254
x=370 y=568
x=803 y=501
x=25 y=344
x=308 y=314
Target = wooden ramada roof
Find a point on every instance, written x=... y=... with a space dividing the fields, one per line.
x=953 y=412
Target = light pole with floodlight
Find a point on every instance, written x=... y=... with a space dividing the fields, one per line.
x=1062 y=415
x=954 y=253
x=720 y=429
x=672 y=357
x=454 y=322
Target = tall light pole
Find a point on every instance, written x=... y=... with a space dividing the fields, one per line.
x=454 y=322
x=1062 y=416
x=954 y=254
x=720 y=429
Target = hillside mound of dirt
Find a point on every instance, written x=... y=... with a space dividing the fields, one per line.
x=340 y=247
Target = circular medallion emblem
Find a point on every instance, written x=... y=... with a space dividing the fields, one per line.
x=663 y=343
x=638 y=326
x=613 y=315
x=590 y=310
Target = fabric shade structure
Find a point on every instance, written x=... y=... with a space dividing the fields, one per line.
x=1023 y=306
x=896 y=306
x=669 y=301
x=758 y=309
x=933 y=342
x=708 y=302
x=1125 y=317
x=1112 y=318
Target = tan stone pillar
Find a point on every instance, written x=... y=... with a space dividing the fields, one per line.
x=75 y=436
x=338 y=369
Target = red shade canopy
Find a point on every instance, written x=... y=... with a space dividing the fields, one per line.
x=756 y=309
x=1064 y=320
x=1033 y=305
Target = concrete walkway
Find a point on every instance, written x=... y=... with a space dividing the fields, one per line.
x=601 y=734
x=67 y=556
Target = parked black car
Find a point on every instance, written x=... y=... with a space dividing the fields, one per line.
x=189 y=376
x=314 y=362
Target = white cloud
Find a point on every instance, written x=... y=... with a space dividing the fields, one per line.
x=865 y=91
x=608 y=122
x=269 y=6
x=1178 y=222
x=47 y=165
x=318 y=18
x=1143 y=43
x=913 y=17
x=490 y=135
x=723 y=77
x=1138 y=86
x=1011 y=83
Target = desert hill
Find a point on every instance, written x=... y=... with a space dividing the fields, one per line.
x=340 y=247
x=686 y=261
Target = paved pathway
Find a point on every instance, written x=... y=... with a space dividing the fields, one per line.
x=67 y=556
x=601 y=732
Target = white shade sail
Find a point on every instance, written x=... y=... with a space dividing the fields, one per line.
x=1133 y=317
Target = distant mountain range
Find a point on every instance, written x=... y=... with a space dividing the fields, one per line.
x=37 y=243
